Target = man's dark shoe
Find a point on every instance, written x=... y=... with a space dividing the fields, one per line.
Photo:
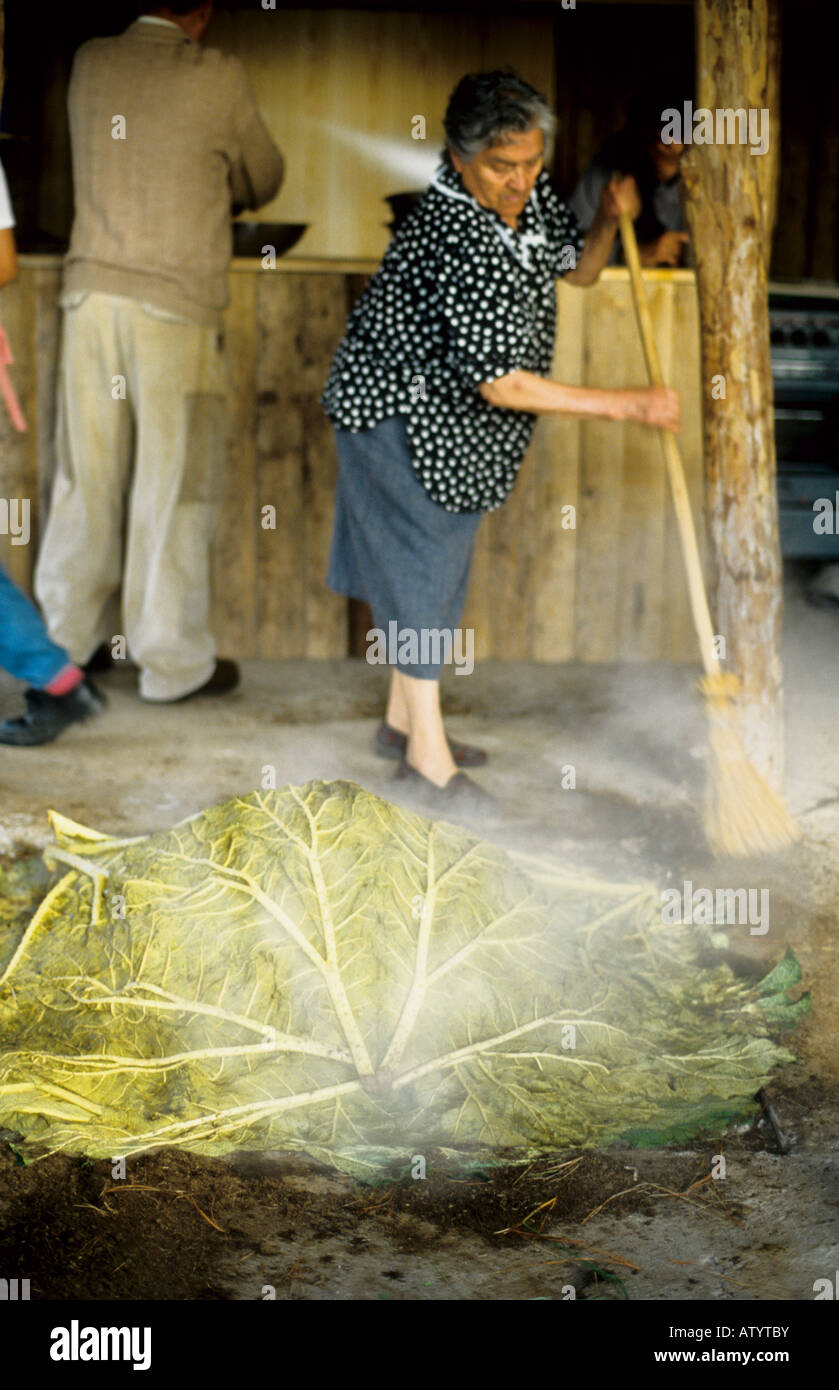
x=49 y=715
x=389 y=743
x=100 y=662
x=225 y=678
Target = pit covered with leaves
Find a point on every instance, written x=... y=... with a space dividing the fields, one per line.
x=316 y=969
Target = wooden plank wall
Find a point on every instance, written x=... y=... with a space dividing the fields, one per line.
x=281 y=332
x=400 y=63
x=30 y=316
x=339 y=90
x=612 y=588
x=609 y=589
x=300 y=321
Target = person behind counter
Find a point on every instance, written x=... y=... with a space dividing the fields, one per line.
x=436 y=386
x=639 y=150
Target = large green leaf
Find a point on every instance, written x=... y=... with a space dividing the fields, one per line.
x=316 y=968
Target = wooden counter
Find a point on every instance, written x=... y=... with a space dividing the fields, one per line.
x=608 y=588
x=612 y=588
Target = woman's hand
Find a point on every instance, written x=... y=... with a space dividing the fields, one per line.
x=620 y=195
x=665 y=250
x=658 y=406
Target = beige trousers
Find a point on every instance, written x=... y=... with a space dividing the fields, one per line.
x=140 y=443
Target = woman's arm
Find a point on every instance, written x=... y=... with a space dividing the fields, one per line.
x=647 y=405
x=619 y=195
x=600 y=238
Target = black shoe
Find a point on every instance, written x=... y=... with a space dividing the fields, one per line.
x=99 y=662
x=459 y=794
x=49 y=715
x=389 y=743
x=102 y=661
x=225 y=677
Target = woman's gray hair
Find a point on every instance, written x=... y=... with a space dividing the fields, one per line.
x=487 y=107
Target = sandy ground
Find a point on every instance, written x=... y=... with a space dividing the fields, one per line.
x=635 y=736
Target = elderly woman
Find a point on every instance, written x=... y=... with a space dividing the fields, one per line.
x=435 y=389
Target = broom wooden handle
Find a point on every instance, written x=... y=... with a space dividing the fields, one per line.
x=672 y=458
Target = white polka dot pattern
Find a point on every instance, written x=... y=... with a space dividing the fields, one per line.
x=459 y=299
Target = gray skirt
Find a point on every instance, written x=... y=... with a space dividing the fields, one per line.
x=393 y=547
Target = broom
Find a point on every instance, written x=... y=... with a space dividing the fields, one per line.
x=743 y=815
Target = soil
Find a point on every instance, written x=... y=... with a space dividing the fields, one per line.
x=181 y=1226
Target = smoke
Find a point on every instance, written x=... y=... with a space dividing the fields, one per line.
x=405 y=160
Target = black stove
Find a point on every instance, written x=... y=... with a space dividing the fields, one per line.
x=804 y=338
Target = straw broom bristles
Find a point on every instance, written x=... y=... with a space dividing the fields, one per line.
x=743 y=815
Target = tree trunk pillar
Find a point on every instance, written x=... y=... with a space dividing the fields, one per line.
x=729 y=205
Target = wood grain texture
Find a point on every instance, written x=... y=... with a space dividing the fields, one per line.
x=339 y=90
x=280 y=599
x=601 y=54
x=612 y=588
x=324 y=321
x=609 y=588
x=726 y=205
x=235 y=577
x=555 y=460
x=19 y=450
x=642 y=585
x=607 y=323
x=300 y=320
x=483 y=584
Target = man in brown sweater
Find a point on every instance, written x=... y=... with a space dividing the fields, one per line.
x=166 y=140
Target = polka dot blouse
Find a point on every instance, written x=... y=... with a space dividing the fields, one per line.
x=460 y=298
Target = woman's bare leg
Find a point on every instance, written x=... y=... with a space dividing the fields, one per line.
x=414 y=709
x=396 y=714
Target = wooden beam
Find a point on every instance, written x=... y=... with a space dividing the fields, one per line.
x=769 y=166
x=729 y=201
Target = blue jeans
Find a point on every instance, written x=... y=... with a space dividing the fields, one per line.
x=25 y=647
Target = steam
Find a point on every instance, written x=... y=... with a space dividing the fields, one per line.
x=407 y=160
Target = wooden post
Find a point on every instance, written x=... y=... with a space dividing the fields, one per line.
x=729 y=201
x=769 y=166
